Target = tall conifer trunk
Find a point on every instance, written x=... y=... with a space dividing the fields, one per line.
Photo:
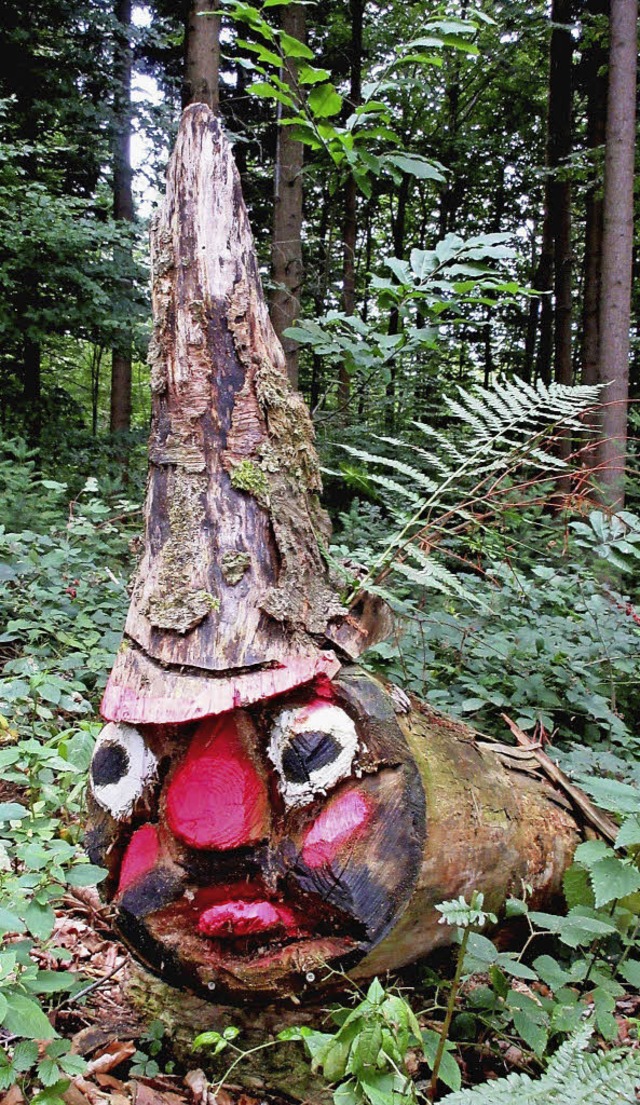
x=202 y=55
x=350 y=224
x=595 y=82
x=286 y=252
x=123 y=211
x=617 y=248
x=560 y=105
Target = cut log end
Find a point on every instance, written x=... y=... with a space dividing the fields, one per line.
x=314 y=835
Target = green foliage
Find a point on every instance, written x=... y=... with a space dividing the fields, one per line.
x=572 y=1076
x=62 y=606
x=147 y=1058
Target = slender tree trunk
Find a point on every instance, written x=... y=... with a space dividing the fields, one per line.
x=595 y=81
x=123 y=211
x=559 y=151
x=202 y=55
x=399 y=226
x=617 y=248
x=554 y=268
x=286 y=252
x=543 y=283
x=350 y=225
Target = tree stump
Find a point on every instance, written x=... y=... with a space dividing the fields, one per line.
x=270 y=816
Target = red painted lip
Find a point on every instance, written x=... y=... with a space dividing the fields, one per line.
x=244 y=909
x=242 y=917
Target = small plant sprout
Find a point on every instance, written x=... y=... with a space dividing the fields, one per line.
x=466 y=916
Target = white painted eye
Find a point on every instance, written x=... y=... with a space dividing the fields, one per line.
x=312 y=748
x=121 y=767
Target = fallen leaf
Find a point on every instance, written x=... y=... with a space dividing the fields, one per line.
x=145 y=1095
x=116 y=1052
x=74 y=1096
x=12 y=1097
x=196 y=1081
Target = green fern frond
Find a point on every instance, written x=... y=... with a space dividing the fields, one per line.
x=573 y=1077
x=506 y=428
x=397 y=465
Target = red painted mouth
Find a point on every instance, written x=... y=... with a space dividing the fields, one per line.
x=241 y=917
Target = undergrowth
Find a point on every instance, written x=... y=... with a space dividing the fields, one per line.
x=539 y=623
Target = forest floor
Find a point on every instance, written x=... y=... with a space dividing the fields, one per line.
x=107 y=1029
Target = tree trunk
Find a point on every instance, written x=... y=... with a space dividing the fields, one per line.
x=350 y=224
x=202 y=55
x=559 y=152
x=123 y=211
x=251 y=797
x=286 y=251
x=595 y=83
x=617 y=249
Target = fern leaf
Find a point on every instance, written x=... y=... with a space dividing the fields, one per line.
x=572 y=1078
x=414 y=474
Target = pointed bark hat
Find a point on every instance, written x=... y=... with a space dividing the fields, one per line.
x=233 y=600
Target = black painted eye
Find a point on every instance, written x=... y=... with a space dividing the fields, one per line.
x=312 y=748
x=306 y=753
x=109 y=764
x=121 y=767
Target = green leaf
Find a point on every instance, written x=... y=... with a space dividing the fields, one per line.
x=590 y=851
x=25 y=1055
x=533 y=1033
x=551 y=972
x=293 y=48
x=300 y=1032
x=576 y=886
x=612 y=795
x=629 y=834
x=308 y=74
x=40 y=920
x=24 y=1017
x=324 y=101
x=53 y=1094
x=86 y=874
x=416 y=166
x=10 y=922
x=12 y=811
x=613 y=878
x=630 y=971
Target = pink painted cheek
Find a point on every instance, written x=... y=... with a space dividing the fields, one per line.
x=141 y=856
x=217 y=799
x=341 y=821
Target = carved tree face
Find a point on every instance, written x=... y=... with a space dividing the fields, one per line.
x=249 y=850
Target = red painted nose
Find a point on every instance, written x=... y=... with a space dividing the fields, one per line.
x=217 y=799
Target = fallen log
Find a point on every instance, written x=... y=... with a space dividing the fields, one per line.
x=270 y=815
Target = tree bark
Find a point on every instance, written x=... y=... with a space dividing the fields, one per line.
x=350 y=224
x=617 y=249
x=123 y=211
x=202 y=55
x=559 y=152
x=595 y=82
x=286 y=251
